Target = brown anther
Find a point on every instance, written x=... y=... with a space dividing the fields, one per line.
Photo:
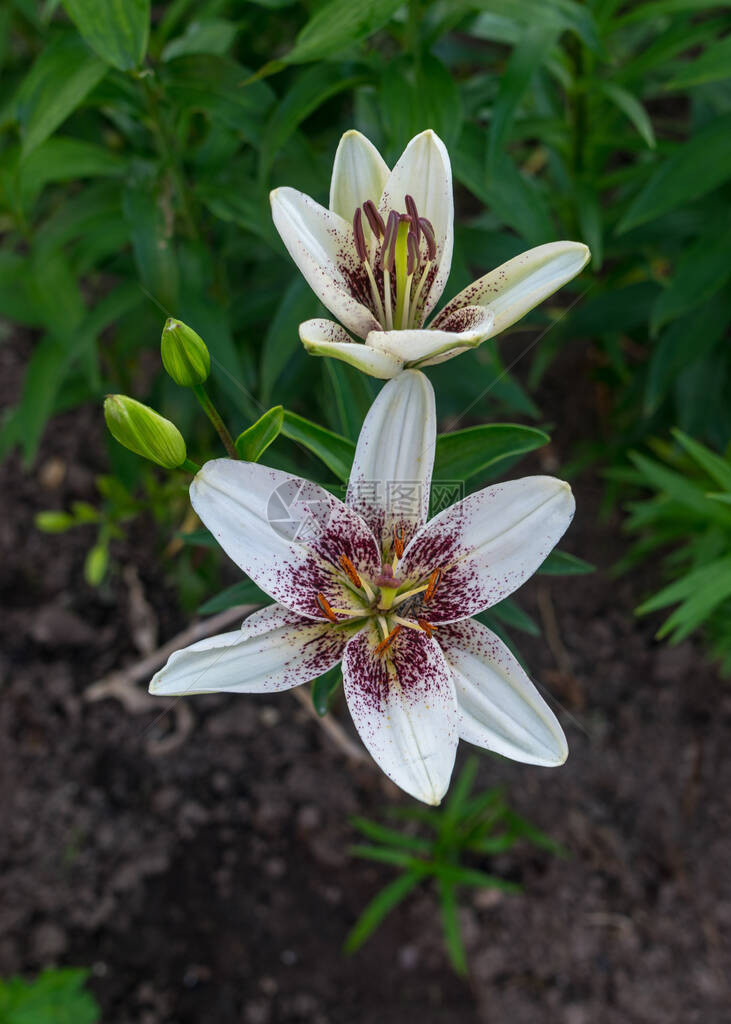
x=414 y=215
x=412 y=253
x=324 y=606
x=350 y=571
x=434 y=580
x=385 y=644
x=398 y=540
x=388 y=249
x=431 y=238
x=427 y=627
x=359 y=237
x=374 y=218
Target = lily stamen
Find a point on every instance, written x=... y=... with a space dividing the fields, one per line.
x=351 y=571
x=398 y=540
x=427 y=627
x=434 y=580
x=385 y=644
x=324 y=605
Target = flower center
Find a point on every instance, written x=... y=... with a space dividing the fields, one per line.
x=398 y=263
x=394 y=603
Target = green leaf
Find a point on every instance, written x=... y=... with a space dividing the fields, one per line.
x=465 y=453
x=390 y=836
x=560 y=15
x=450 y=924
x=66 y=159
x=701 y=272
x=699 y=592
x=713 y=65
x=416 y=96
x=96 y=563
x=217 y=87
x=697 y=166
x=54 y=522
x=631 y=106
x=354 y=393
x=151 y=230
x=513 y=616
x=58 y=82
x=307 y=93
x=381 y=905
x=254 y=441
x=323 y=689
x=281 y=341
x=244 y=592
x=561 y=563
x=333 y=28
x=56 y=996
x=117 y=30
x=525 y=60
x=716 y=467
x=204 y=35
x=335 y=451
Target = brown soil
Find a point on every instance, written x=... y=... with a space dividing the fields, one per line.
x=213 y=883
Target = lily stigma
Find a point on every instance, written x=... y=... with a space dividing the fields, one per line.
x=380 y=256
x=371 y=583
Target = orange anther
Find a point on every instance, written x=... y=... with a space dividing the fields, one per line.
x=398 y=540
x=324 y=606
x=385 y=644
x=350 y=570
x=427 y=627
x=434 y=580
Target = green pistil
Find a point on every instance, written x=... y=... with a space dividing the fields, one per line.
x=401 y=258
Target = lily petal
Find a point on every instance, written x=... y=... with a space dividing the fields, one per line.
x=404 y=707
x=466 y=328
x=326 y=338
x=391 y=474
x=274 y=650
x=424 y=172
x=522 y=283
x=359 y=174
x=488 y=544
x=321 y=244
x=286 y=533
x=499 y=707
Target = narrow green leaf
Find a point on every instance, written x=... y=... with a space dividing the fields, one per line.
x=323 y=689
x=58 y=82
x=384 y=902
x=561 y=563
x=244 y=592
x=697 y=166
x=513 y=616
x=701 y=272
x=381 y=834
x=713 y=65
x=254 y=441
x=450 y=925
x=335 y=451
x=204 y=35
x=117 y=30
x=463 y=454
x=631 y=106
x=281 y=340
x=716 y=467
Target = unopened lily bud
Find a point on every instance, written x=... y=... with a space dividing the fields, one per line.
x=184 y=354
x=144 y=431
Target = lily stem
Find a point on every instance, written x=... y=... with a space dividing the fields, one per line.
x=213 y=415
x=190 y=466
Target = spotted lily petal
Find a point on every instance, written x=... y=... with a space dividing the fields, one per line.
x=466 y=328
x=499 y=707
x=391 y=474
x=274 y=650
x=286 y=533
x=321 y=244
x=488 y=544
x=326 y=338
x=404 y=707
x=424 y=172
x=359 y=174
x=522 y=283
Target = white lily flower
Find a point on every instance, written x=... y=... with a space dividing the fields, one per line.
x=375 y=585
x=380 y=257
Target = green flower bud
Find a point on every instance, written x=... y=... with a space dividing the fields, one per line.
x=144 y=431
x=184 y=354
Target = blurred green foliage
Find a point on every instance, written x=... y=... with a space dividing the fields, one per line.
x=449 y=846
x=689 y=518
x=56 y=996
x=138 y=146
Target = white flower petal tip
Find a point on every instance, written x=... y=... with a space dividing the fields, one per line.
x=359 y=174
x=405 y=709
x=391 y=473
x=325 y=338
x=499 y=707
x=521 y=284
